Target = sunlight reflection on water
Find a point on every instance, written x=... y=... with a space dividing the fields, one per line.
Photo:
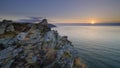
x=98 y=46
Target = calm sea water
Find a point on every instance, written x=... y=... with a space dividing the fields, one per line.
x=98 y=46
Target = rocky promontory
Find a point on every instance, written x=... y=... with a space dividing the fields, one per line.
x=35 y=45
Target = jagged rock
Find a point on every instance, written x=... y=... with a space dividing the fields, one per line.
x=7 y=55
x=6 y=26
x=37 y=46
x=44 y=22
x=9 y=28
x=51 y=37
x=64 y=38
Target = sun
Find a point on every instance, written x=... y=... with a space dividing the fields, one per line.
x=92 y=22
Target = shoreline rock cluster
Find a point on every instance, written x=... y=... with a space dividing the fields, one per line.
x=35 y=45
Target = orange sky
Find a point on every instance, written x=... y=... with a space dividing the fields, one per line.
x=89 y=20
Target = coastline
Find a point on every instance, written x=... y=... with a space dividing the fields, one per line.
x=36 y=45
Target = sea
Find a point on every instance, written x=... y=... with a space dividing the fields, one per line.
x=98 y=46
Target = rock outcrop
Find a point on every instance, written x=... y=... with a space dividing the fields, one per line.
x=29 y=45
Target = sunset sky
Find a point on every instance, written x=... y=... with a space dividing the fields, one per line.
x=62 y=11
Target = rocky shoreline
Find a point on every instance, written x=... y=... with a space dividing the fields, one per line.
x=35 y=45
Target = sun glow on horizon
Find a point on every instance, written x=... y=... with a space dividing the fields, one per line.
x=93 y=22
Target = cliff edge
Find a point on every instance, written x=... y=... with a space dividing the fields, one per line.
x=35 y=45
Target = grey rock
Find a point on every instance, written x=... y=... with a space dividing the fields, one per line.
x=51 y=37
x=2 y=29
x=17 y=51
x=34 y=59
x=10 y=28
x=36 y=45
x=21 y=36
x=44 y=22
x=6 y=52
x=59 y=54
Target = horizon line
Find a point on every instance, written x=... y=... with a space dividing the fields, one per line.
x=89 y=24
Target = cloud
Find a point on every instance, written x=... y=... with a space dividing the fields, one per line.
x=31 y=19
x=36 y=17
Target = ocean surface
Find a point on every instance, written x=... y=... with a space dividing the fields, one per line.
x=98 y=46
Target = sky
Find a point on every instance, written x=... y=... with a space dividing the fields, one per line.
x=62 y=11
